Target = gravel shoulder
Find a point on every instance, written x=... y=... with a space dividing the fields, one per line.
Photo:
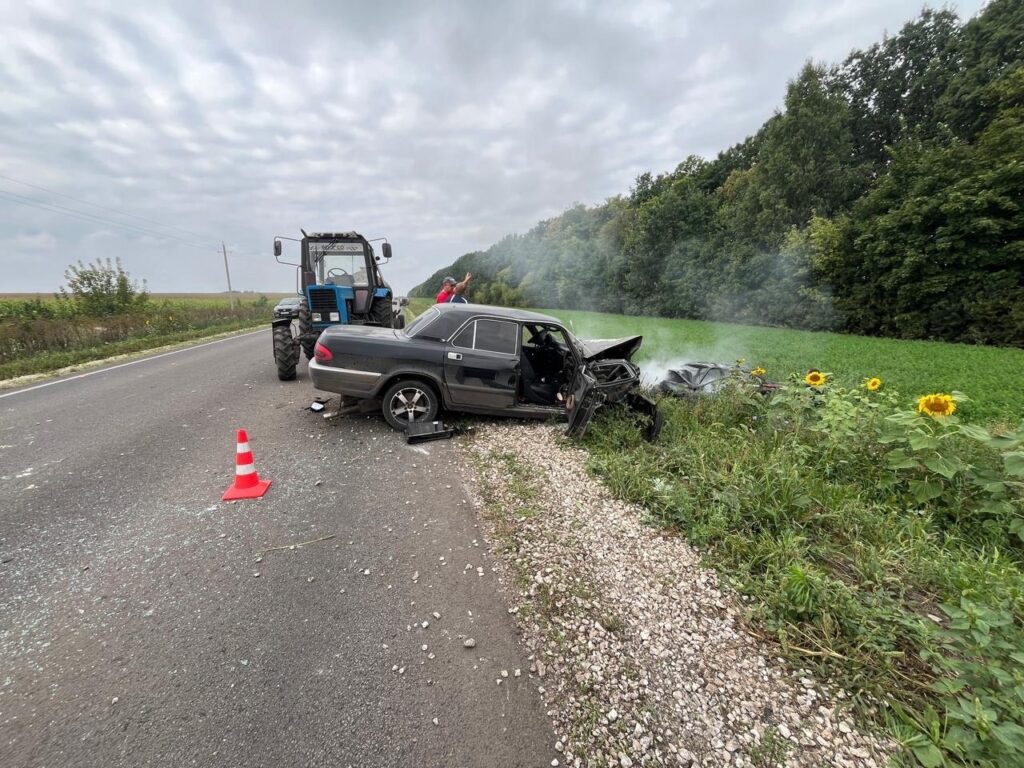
x=642 y=655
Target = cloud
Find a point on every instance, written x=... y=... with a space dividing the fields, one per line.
x=443 y=126
x=35 y=241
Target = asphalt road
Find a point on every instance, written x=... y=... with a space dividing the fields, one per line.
x=139 y=628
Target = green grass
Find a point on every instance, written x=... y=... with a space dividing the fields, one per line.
x=992 y=376
x=795 y=500
x=45 y=362
x=41 y=333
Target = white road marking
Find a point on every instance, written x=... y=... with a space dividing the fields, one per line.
x=125 y=365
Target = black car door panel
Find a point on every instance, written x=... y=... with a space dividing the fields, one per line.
x=481 y=366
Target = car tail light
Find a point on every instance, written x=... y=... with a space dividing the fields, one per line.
x=322 y=353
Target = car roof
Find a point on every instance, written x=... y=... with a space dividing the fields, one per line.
x=464 y=311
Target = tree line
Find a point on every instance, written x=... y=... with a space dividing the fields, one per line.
x=885 y=198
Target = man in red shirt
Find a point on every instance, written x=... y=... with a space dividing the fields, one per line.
x=449 y=287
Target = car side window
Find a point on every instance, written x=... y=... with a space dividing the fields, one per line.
x=464 y=338
x=496 y=336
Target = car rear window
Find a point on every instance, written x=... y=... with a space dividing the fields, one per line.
x=417 y=326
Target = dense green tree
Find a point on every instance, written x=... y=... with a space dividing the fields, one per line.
x=936 y=249
x=992 y=47
x=804 y=166
x=893 y=87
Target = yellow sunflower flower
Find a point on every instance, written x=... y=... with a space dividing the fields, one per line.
x=815 y=378
x=873 y=384
x=936 y=405
x=759 y=371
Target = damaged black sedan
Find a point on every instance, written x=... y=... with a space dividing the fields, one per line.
x=478 y=359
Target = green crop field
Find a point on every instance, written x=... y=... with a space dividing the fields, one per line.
x=993 y=377
x=41 y=332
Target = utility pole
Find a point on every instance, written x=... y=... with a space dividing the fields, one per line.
x=227 y=272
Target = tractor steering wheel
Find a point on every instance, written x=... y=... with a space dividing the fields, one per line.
x=332 y=270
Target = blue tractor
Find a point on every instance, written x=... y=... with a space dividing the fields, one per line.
x=339 y=282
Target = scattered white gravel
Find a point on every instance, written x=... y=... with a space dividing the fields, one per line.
x=643 y=657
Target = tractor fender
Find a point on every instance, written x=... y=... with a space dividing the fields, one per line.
x=411 y=373
x=280 y=321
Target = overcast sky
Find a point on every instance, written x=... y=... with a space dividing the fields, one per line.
x=441 y=125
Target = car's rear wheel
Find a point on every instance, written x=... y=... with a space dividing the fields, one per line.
x=409 y=402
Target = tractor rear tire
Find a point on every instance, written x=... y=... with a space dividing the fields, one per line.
x=306 y=337
x=286 y=352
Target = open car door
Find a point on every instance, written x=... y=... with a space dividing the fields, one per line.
x=584 y=399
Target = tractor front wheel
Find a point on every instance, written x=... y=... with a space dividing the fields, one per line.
x=286 y=352
x=409 y=402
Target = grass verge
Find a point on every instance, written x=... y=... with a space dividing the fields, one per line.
x=40 y=335
x=881 y=546
x=50 y=361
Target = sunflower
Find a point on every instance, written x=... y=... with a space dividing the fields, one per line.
x=815 y=378
x=936 y=405
x=873 y=384
x=759 y=371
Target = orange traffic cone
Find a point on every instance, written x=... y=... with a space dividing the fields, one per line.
x=247 y=483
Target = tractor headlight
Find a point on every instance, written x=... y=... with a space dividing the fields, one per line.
x=316 y=317
x=335 y=317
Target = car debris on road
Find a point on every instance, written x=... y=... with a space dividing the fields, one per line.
x=696 y=379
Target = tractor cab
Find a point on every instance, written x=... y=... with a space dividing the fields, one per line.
x=340 y=283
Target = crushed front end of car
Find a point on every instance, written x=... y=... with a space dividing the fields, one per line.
x=607 y=377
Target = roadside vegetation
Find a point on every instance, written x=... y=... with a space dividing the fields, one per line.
x=101 y=312
x=990 y=376
x=879 y=535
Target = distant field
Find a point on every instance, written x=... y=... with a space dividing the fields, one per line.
x=40 y=333
x=213 y=298
x=991 y=376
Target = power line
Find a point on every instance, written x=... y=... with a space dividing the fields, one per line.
x=86 y=216
x=101 y=207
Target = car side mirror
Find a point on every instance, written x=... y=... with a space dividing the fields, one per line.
x=277 y=247
x=385 y=251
